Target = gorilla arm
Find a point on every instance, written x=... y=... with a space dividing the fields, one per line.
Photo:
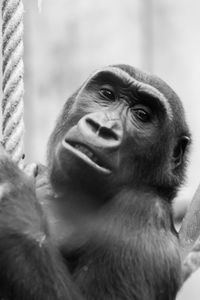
x=189 y=231
x=189 y=237
x=30 y=266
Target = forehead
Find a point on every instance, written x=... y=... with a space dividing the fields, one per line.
x=117 y=75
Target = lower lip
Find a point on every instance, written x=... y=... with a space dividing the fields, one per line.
x=86 y=159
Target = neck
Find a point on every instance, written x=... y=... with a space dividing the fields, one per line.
x=74 y=209
x=69 y=208
x=132 y=217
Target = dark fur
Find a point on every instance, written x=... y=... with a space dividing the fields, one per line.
x=134 y=254
x=131 y=249
x=30 y=266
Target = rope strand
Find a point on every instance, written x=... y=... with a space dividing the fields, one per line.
x=13 y=70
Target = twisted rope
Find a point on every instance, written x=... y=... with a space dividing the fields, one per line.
x=12 y=86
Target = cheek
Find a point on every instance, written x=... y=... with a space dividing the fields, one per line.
x=140 y=142
x=139 y=150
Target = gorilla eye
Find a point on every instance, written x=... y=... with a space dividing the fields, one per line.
x=107 y=92
x=142 y=113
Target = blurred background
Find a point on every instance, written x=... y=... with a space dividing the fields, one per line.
x=68 y=40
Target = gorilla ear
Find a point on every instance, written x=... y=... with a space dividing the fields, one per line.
x=179 y=150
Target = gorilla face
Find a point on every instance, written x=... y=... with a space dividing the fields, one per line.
x=119 y=132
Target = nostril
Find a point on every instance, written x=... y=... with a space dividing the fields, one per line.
x=103 y=131
x=107 y=133
x=92 y=124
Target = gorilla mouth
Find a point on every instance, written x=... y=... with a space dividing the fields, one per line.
x=87 y=155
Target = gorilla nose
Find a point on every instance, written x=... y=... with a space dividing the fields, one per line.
x=103 y=128
x=105 y=131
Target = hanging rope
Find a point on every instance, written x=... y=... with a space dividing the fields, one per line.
x=13 y=69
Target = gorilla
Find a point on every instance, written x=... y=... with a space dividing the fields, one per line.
x=96 y=223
